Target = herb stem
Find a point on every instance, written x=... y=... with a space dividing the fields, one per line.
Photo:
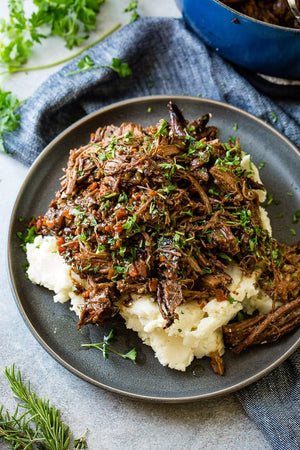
x=68 y=58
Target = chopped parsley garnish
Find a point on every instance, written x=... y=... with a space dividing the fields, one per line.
x=132 y=7
x=274 y=117
x=296 y=216
x=28 y=237
x=262 y=164
x=163 y=129
x=270 y=200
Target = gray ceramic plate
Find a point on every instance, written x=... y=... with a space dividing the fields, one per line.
x=54 y=325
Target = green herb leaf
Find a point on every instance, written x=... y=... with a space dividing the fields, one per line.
x=9 y=119
x=296 y=216
x=163 y=129
x=274 y=117
x=262 y=164
x=81 y=442
x=86 y=62
x=105 y=349
x=122 y=69
x=132 y=7
x=130 y=355
x=27 y=238
x=134 y=16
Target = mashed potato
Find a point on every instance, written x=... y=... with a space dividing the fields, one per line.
x=47 y=268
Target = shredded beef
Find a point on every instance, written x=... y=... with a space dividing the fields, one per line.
x=163 y=211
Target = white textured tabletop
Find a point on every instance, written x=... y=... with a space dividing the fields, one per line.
x=112 y=421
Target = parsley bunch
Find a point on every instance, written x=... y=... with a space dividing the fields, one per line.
x=71 y=20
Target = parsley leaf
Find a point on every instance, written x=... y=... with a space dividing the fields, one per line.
x=9 y=119
x=274 y=117
x=296 y=216
x=86 y=63
x=27 y=238
x=122 y=69
x=132 y=7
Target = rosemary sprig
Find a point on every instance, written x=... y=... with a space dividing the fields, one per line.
x=35 y=424
x=105 y=349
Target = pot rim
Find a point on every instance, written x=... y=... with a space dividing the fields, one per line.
x=252 y=19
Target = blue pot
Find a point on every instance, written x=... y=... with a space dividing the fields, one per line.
x=250 y=43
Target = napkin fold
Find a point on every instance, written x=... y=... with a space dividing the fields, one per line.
x=273 y=403
x=167 y=58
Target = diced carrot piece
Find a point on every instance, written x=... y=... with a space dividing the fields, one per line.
x=93 y=186
x=60 y=241
x=133 y=271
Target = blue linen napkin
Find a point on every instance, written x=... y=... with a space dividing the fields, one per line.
x=166 y=58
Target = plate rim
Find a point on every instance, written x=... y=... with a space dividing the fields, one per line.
x=191 y=398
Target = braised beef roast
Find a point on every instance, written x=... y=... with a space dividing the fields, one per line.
x=164 y=210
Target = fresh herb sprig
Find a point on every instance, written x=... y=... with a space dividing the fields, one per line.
x=87 y=63
x=9 y=118
x=72 y=21
x=35 y=423
x=105 y=349
x=132 y=7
